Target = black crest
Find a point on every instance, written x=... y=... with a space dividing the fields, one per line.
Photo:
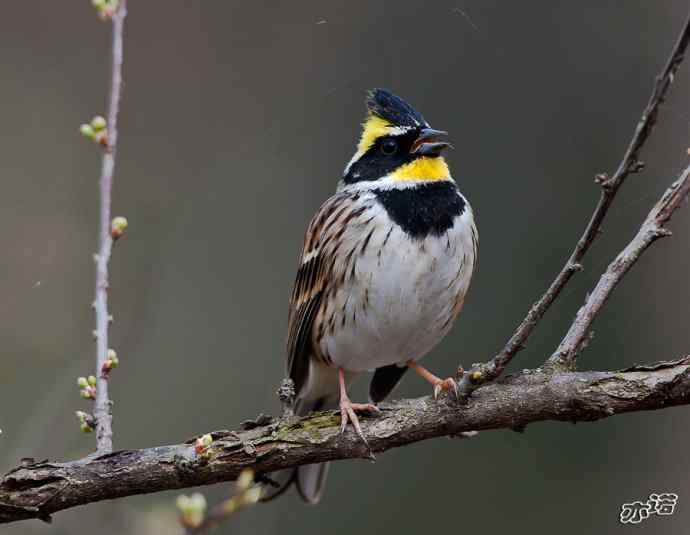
x=393 y=109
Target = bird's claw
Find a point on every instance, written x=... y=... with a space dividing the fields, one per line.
x=448 y=385
x=348 y=413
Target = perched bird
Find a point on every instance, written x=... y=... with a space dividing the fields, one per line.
x=383 y=273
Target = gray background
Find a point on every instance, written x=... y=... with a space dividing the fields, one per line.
x=238 y=118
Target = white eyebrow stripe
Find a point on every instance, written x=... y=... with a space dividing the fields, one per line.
x=399 y=130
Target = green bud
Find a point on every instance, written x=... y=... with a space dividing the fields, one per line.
x=245 y=480
x=87 y=131
x=85 y=427
x=111 y=361
x=252 y=496
x=85 y=421
x=82 y=382
x=118 y=226
x=101 y=137
x=192 y=509
x=98 y=123
x=92 y=380
x=202 y=443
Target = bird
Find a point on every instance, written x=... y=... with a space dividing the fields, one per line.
x=383 y=273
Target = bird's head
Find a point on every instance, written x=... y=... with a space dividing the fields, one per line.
x=397 y=144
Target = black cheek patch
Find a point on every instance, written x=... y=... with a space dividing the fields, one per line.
x=374 y=164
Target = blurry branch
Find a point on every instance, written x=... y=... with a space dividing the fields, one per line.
x=109 y=231
x=482 y=373
x=193 y=515
x=40 y=489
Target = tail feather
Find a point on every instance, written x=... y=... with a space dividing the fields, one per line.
x=384 y=381
x=283 y=481
x=311 y=481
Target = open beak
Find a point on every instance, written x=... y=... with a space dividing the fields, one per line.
x=430 y=142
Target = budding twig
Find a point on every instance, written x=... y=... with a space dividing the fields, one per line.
x=202 y=444
x=102 y=406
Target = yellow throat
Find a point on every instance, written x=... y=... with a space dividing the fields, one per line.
x=422 y=169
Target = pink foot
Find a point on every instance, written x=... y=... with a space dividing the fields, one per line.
x=348 y=413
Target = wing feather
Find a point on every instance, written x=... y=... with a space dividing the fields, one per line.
x=314 y=275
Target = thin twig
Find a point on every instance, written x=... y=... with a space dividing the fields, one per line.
x=651 y=230
x=38 y=490
x=102 y=406
x=482 y=373
x=228 y=508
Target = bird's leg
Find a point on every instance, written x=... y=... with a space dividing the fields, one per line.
x=348 y=410
x=449 y=384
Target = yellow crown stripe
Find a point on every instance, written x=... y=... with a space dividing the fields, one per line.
x=373 y=128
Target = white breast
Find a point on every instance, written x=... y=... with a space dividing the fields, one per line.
x=403 y=297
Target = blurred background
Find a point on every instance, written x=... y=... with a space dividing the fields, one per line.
x=238 y=118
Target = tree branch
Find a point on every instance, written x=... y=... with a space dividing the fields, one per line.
x=651 y=230
x=102 y=405
x=554 y=392
x=40 y=489
x=483 y=373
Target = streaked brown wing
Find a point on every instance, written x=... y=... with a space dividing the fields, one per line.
x=304 y=304
x=313 y=277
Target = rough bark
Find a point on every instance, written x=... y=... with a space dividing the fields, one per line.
x=36 y=490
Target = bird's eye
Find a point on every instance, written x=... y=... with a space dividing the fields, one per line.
x=389 y=146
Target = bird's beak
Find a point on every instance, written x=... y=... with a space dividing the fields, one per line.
x=430 y=142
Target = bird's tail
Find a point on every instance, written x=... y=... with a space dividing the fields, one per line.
x=310 y=479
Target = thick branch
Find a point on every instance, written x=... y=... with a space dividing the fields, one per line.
x=102 y=406
x=37 y=490
x=651 y=230
x=630 y=163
